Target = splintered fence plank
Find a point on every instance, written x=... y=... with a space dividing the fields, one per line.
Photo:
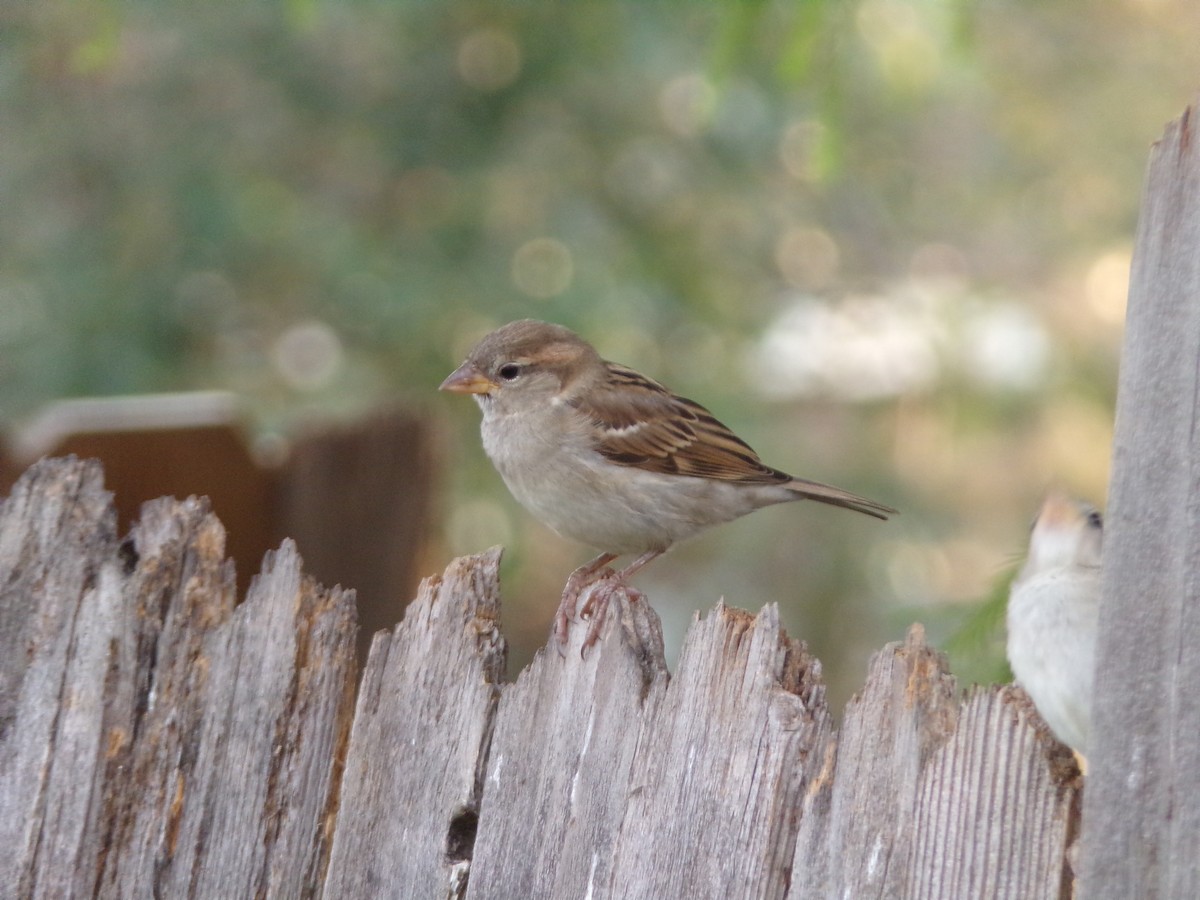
x=866 y=809
x=159 y=741
x=184 y=591
x=558 y=777
x=998 y=806
x=414 y=769
x=60 y=612
x=1141 y=835
x=725 y=753
x=931 y=797
x=271 y=716
x=607 y=779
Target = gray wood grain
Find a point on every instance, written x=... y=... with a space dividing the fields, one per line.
x=607 y=779
x=184 y=592
x=61 y=610
x=725 y=753
x=1142 y=812
x=232 y=775
x=998 y=807
x=274 y=708
x=183 y=589
x=158 y=741
x=558 y=778
x=858 y=840
x=414 y=769
x=935 y=797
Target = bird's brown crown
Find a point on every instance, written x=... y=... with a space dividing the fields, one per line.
x=530 y=341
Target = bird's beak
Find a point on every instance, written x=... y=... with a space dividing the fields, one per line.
x=467 y=379
x=1058 y=511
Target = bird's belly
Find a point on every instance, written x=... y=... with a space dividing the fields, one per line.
x=614 y=510
x=619 y=509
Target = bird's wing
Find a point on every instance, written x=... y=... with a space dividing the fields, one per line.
x=639 y=423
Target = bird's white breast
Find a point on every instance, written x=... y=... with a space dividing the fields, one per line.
x=1052 y=623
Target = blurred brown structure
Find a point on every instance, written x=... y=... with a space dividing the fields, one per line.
x=356 y=498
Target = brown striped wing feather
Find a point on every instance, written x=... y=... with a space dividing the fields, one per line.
x=640 y=423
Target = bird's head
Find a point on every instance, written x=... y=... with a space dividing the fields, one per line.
x=1066 y=532
x=524 y=363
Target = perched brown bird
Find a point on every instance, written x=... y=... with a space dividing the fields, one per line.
x=611 y=458
x=1053 y=614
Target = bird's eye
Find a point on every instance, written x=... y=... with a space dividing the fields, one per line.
x=1095 y=520
x=509 y=371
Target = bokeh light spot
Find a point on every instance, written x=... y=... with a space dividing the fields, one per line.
x=807 y=257
x=687 y=104
x=1004 y=346
x=489 y=59
x=861 y=349
x=908 y=54
x=307 y=355
x=802 y=150
x=543 y=268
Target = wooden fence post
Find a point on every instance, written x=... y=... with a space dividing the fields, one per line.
x=1141 y=833
x=422 y=732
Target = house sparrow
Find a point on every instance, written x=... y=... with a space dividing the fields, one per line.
x=1053 y=611
x=611 y=458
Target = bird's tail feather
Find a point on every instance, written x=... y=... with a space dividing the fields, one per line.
x=826 y=493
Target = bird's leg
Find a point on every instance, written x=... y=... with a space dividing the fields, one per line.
x=596 y=607
x=570 y=595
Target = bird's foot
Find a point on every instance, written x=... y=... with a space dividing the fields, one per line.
x=596 y=570
x=604 y=583
x=595 y=610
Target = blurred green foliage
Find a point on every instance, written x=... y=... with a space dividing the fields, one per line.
x=320 y=205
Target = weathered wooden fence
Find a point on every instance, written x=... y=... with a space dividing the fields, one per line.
x=159 y=739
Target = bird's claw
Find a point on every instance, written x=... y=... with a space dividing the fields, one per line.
x=595 y=610
x=575 y=586
x=602 y=578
